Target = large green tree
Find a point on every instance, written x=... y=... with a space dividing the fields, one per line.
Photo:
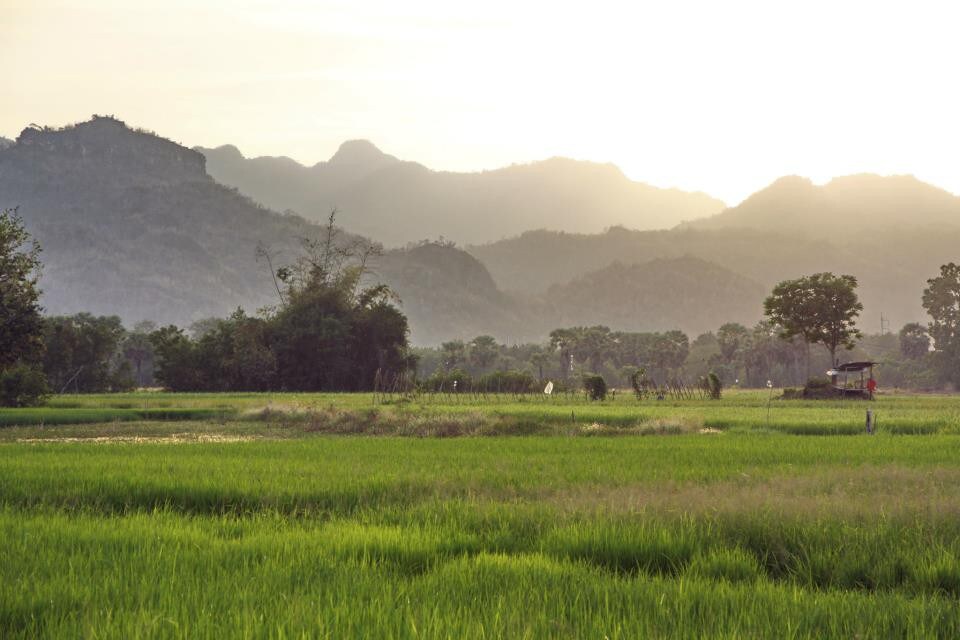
x=914 y=341
x=21 y=325
x=821 y=308
x=483 y=352
x=941 y=299
x=333 y=330
x=82 y=353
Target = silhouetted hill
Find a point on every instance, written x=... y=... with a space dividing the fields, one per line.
x=659 y=295
x=131 y=224
x=446 y=293
x=848 y=206
x=5 y=142
x=892 y=265
x=398 y=202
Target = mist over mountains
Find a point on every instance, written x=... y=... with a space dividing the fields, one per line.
x=846 y=207
x=134 y=225
x=398 y=202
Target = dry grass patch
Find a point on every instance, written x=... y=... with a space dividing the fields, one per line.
x=176 y=438
x=860 y=493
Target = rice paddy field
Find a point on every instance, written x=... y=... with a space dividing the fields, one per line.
x=154 y=515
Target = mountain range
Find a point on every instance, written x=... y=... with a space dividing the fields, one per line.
x=399 y=202
x=844 y=208
x=135 y=225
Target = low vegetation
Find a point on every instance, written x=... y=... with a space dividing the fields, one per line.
x=271 y=512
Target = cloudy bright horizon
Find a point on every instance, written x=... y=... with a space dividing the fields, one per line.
x=716 y=97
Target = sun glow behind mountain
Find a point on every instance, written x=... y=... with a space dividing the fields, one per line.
x=720 y=97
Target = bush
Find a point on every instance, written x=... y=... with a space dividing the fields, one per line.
x=714 y=386
x=819 y=388
x=507 y=382
x=595 y=386
x=456 y=381
x=23 y=386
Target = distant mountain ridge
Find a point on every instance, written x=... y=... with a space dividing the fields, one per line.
x=856 y=204
x=398 y=202
x=658 y=295
x=133 y=224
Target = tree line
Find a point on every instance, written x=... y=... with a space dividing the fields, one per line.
x=333 y=329
x=330 y=330
x=808 y=322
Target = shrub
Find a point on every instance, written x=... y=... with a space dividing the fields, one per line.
x=595 y=386
x=640 y=383
x=456 y=381
x=23 y=386
x=507 y=382
x=818 y=388
x=714 y=386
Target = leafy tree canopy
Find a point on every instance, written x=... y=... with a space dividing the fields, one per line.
x=21 y=325
x=821 y=308
x=941 y=299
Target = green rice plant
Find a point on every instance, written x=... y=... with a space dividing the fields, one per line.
x=733 y=565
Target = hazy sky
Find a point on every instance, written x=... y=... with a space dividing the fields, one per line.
x=715 y=96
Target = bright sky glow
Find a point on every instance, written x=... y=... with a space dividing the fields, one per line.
x=722 y=97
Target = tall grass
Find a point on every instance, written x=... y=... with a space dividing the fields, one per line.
x=749 y=533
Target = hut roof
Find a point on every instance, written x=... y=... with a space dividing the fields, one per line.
x=854 y=366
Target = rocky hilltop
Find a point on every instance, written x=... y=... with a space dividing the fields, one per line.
x=131 y=224
x=105 y=147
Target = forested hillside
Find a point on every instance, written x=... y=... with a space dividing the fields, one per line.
x=131 y=224
x=891 y=264
x=659 y=295
x=398 y=202
x=447 y=294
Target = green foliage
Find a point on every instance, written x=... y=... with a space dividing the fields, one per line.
x=941 y=299
x=819 y=388
x=507 y=382
x=822 y=308
x=21 y=326
x=714 y=386
x=330 y=332
x=483 y=351
x=914 y=341
x=137 y=352
x=456 y=381
x=595 y=386
x=81 y=353
x=23 y=385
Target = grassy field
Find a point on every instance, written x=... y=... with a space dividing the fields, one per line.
x=245 y=515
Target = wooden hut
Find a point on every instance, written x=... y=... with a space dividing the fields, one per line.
x=853 y=379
